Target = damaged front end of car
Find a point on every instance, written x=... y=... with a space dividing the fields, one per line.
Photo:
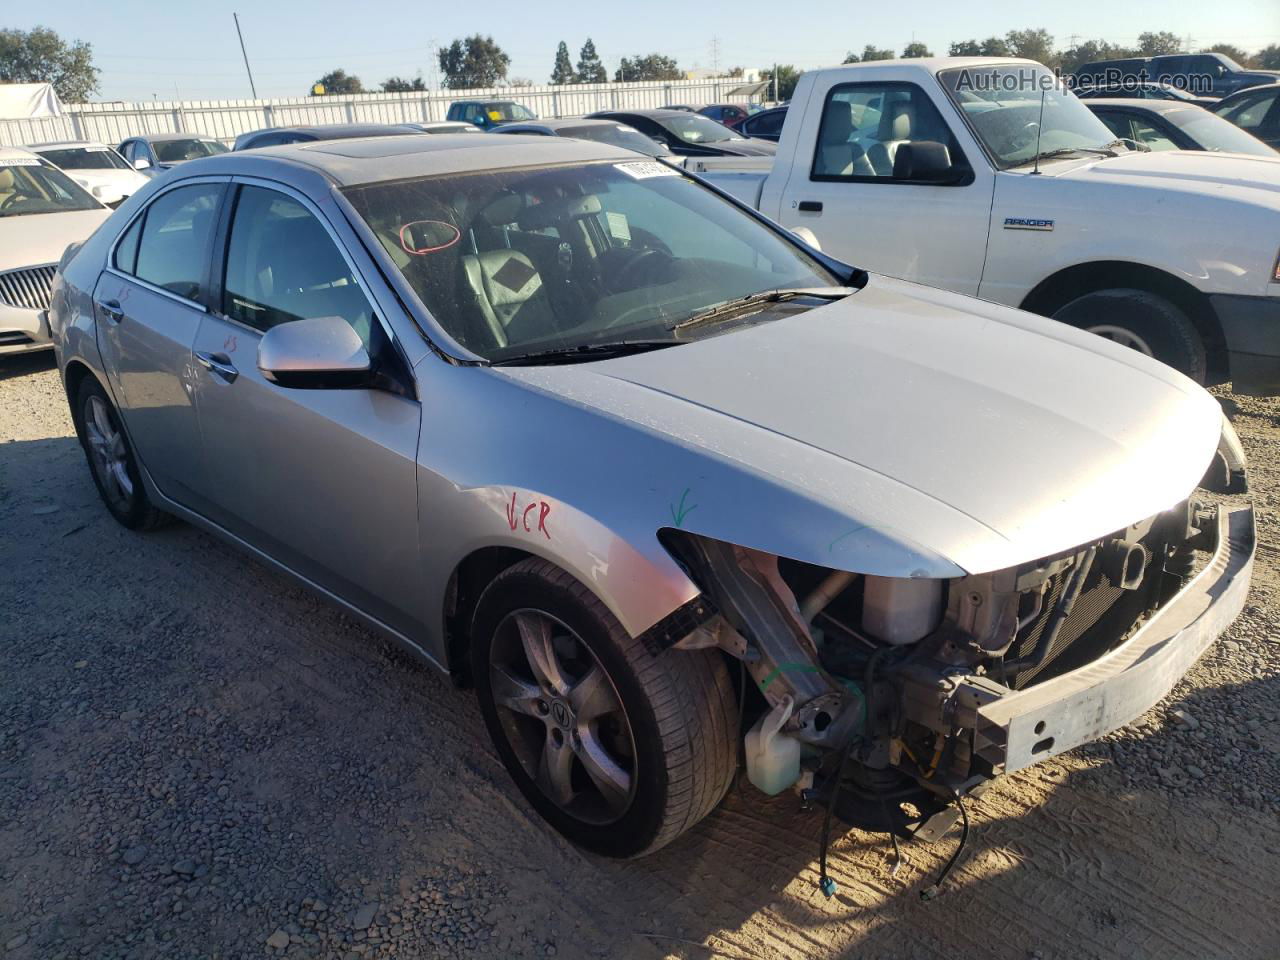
x=914 y=693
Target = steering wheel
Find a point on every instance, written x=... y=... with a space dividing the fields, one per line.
x=14 y=198
x=1025 y=137
x=645 y=258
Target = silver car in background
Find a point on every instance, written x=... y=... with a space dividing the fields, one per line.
x=645 y=469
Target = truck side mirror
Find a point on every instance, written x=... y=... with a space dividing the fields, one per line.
x=924 y=161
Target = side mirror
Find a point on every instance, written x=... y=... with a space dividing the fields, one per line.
x=808 y=236
x=924 y=161
x=315 y=354
x=142 y=163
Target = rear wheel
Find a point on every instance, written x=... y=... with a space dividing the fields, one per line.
x=111 y=459
x=1142 y=321
x=620 y=751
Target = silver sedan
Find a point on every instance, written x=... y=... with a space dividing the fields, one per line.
x=650 y=472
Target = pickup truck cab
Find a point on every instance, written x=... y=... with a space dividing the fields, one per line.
x=989 y=178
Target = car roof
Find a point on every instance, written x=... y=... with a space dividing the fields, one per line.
x=338 y=130
x=661 y=114
x=560 y=124
x=378 y=159
x=162 y=137
x=15 y=153
x=64 y=145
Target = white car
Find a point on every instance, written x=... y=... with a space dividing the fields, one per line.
x=95 y=166
x=42 y=212
x=989 y=178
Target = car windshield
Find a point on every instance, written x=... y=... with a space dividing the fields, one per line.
x=618 y=135
x=29 y=185
x=523 y=261
x=695 y=129
x=508 y=112
x=1004 y=106
x=176 y=151
x=85 y=158
x=1214 y=133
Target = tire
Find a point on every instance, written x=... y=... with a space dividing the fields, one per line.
x=1144 y=321
x=112 y=461
x=667 y=726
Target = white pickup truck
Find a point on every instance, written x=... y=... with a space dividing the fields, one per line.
x=989 y=178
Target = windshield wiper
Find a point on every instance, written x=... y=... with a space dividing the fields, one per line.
x=722 y=310
x=584 y=352
x=1102 y=151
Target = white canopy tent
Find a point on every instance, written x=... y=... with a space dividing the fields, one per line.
x=25 y=101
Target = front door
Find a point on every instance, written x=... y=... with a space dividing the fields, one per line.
x=866 y=210
x=148 y=305
x=322 y=480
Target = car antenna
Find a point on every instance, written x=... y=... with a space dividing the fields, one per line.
x=1039 y=130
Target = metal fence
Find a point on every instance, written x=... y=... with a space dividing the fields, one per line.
x=111 y=123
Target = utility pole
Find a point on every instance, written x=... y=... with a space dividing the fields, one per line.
x=252 y=88
x=715 y=56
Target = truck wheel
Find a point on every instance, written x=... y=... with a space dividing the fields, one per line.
x=1143 y=321
x=618 y=750
x=111 y=460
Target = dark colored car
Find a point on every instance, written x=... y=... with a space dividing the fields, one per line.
x=487 y=114
x=730 y=114
x=152 y=152
x=1255 y=111
x=1142 y=91
x=765 y=125
x=1210 y=74
x=276 y=136
x=1167 y=125
x=601 y=131
x=689 y=134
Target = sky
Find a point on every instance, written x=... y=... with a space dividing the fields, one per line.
x=188 y=50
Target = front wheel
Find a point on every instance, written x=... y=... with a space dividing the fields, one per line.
x=1142 y=321
x=618 y=750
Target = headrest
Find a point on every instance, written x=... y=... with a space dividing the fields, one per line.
x=898 y=121
x=837 y=122
x=503 y=209
x=6 y=179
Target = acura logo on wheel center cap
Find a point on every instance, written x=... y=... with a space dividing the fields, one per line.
x=561 y=713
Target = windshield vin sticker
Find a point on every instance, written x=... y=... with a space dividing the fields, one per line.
x=644 y=169
x=1026 y=223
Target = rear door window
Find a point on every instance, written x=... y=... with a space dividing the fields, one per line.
x=173 y=252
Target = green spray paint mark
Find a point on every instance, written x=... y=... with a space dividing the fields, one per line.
x=678 y=513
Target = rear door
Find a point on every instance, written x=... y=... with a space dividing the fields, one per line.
x=148 y=304
x=845 y=188
x=322 y=480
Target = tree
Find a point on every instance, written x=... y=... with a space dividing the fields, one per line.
x=652 y=67
x=1090 y=51
x=472 y=62
x=563 y=73
x=965 y=48
x=915 y=49
x=590 y=69
x=851 y=57
x=1232 y=51
x=340 y=82
x=401 y=85
x=41 y=56
x=1268 y=58
x=734 y=73
x=1158 y=44
x=1031 y=44
x=870 y=52
x=788 y=77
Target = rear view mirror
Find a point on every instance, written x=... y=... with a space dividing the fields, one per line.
x=317 y=353
x=924 y=161
x=142 y=163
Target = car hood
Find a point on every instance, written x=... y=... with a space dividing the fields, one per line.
x=41 y=238
x=746 y=148
x=113 y=183
x=1235 y=176
x=964 y=430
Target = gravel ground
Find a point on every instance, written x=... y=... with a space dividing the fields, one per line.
x=198 y=759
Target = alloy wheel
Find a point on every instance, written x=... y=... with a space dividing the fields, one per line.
x=1124 y=337
x=563 y=717
x=108 y=453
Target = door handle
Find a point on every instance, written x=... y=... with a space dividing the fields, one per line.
x=810 y=206
x=220 y=364
x=114 y=312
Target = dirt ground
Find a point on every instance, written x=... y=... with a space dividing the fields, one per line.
x=198 y=759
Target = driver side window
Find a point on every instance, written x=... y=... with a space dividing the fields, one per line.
x=864 y=125
x=282 y=265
